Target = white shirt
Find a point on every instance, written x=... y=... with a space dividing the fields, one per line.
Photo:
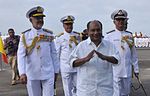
x=128 y=56
x=42 y=62
x=64 y=47
x=94 y=78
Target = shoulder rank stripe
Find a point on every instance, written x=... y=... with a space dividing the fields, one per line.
x=128 y=32
x=76 y=32
x=26 y=31
x=60 y=34
x=110 y=31
x=47 y=30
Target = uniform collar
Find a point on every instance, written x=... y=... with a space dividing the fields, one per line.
x=68 y=33
x=118 y=30
x=35 y=30
x=89 y=40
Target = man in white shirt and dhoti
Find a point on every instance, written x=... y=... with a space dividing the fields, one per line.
x=94 y=59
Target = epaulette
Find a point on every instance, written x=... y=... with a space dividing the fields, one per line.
x=76 y=32
x=26 y=31
x=128 y=32
x=110 y=31
x=47 y=30
x=60 y=34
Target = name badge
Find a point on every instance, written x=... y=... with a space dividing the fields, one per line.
x=116 y=40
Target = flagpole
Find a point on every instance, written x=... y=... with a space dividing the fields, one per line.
x=1 y=66
x=1 y=58
x=2 y=51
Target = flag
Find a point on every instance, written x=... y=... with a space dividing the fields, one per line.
x=2 y=51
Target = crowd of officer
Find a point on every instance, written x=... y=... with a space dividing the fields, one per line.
x=90 y=64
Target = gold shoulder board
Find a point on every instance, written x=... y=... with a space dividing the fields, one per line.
x=110 y=31
x=26 y=31
x=60 y=34
x=76 y=32
x=47 y=30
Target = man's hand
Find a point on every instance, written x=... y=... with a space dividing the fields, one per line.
x=100 y=55
x=82 y=61
x=23 y=79
x=89 y=56
x=110 y=59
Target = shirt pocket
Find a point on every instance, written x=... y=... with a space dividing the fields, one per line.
x=104 y=65
x=116 y=41
x=29 y=41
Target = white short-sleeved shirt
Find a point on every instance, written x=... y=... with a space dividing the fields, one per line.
x=94 y=78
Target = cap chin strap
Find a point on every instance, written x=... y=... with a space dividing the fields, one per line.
x=38 y=14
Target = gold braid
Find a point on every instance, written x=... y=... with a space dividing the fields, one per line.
x=30 y=47
x=73 y=38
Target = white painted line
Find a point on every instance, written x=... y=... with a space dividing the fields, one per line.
x=147 y=69
x=144 y=59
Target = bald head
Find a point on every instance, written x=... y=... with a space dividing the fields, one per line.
x=94 y=29
x=94 y=22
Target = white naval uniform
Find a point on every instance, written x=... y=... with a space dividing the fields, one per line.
x=64 y=47
x=94 y=78
x=40 y=65
x=128 y=58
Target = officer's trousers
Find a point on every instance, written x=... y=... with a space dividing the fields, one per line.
x=41 y=87
x=116 y=86
x=125 y=86
x=69 y=80
x=12 y=60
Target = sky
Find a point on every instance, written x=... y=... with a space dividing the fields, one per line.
x=13 y=14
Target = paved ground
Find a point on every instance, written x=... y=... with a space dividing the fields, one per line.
x=145 y=79
x=6 y=89
x=19 y=90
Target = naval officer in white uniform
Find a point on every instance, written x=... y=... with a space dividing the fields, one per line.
x=65 y=43
x=123 y=41
x=37 y=58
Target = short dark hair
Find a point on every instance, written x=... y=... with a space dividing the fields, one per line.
x=10 y=29
x=84 y=30
x=88 y=24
